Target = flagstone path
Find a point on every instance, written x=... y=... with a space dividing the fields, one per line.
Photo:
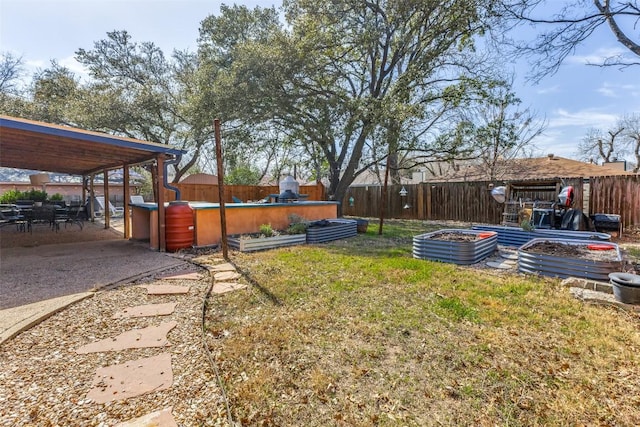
x=141 y=376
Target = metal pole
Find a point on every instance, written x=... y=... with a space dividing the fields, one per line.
x=223 y=216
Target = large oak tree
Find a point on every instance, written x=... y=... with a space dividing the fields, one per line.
x=353 y=82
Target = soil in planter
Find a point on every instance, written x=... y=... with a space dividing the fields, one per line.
x=455 y=237
x=573 y=251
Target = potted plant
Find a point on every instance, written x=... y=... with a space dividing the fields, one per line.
x=56 y=197
x=38 y=196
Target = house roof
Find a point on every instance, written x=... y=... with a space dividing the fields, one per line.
x=549 y=167
x=28 y=144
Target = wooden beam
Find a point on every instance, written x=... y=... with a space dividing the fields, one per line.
x=125 y=194
x=159 y=184
x=107 y=211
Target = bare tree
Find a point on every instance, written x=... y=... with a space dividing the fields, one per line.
x=567 y=24
x=11 y=69
x=631 y=136
x=596 y=145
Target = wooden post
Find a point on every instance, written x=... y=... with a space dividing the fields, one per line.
x=107 y=212
x=84 y=191
x=383 y=201
x=223 y=216
x=162 y=225
x=125 y=195
x=92 y=196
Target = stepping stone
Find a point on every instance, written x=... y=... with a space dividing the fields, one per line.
x=226 y=275
x=161 y=418
x=153 y=336
x=224 y=287
x=146 y=310
x=165 y=289
x=604 y=298
x=223 y=267
x=185 y=275
x=509 y=255
x=131 y=379
x=500 y=265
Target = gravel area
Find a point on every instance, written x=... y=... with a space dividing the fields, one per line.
x=43 y=382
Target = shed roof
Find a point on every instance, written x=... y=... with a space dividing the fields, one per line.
x=28 y=144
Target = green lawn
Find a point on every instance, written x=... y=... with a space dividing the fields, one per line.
x=357 y=332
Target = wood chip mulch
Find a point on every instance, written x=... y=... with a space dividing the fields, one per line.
x=44 y=382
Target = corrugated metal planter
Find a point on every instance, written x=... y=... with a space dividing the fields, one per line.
x=332 y=229
x=516 y=236
x=563 y=266
x=428 y=246
x=263 y=243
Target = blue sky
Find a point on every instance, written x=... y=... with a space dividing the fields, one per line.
x=575 y=99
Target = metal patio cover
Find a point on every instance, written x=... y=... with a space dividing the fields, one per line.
x=28 y=144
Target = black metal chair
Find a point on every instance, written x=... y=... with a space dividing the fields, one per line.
x=76 y=214
x=9 y=215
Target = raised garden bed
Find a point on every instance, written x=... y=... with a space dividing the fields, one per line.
x=250 y=244
x=455 y=246
x=332 y=229
x=516 y=236
x=570 y=258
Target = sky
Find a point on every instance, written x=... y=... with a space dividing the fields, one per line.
x=572 y=101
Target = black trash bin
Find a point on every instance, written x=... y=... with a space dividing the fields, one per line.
x=606 y=222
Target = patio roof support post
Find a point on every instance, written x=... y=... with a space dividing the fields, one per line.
x=92 y=196
x=125 y=195
x=161 y=213
x=107 y=212
x=84 y=190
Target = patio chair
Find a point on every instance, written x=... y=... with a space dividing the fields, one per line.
x=76 y=214
x=112 y=209
x=9 y=215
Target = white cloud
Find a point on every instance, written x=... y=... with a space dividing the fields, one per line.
x=35 y=64
x=74 y=66
x=548 y=90
x=606 y=90
x=554 y=141
x=614 y=90
x=599 y=56
x=587 y=118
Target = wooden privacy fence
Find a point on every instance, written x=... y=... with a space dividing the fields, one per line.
x=472 y=201
x=619 y=195
x=459 y=201
x=209 y=193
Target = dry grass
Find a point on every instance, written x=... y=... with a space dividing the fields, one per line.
x=359 y=333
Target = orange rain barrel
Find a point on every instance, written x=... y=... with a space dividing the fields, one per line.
x=179 y=226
